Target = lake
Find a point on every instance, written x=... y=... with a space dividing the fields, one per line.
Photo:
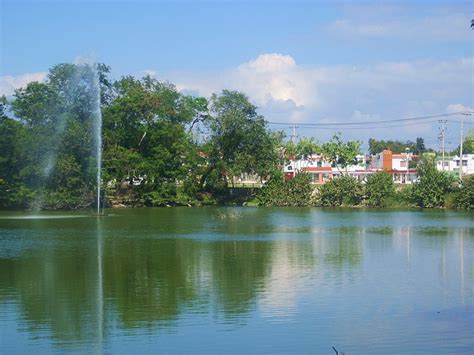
x=237 y=280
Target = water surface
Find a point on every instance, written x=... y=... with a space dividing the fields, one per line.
x=237 y=280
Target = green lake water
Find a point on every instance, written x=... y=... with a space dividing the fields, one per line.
x=237 y=280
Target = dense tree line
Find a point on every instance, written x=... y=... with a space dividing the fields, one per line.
x=397 y=146
x=149 y=127
x=162 y=147
x=434 y=189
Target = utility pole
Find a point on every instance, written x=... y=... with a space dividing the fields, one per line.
x=441 y=137
x=460 y=146
x=293 y=140
x=462 y=141
x=293 y=136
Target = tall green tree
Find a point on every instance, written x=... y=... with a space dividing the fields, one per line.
x=239 y=141
x=56 y=146
x=341 y=154
x=146 y=129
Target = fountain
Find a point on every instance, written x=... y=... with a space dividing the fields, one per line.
x=81 y=96
x=97 y=127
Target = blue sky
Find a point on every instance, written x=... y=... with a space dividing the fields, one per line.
x=299 y=61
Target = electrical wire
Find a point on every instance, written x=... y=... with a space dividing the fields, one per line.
x=337 y=124
x=369 y=127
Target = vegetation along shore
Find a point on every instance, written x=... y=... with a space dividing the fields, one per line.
x=165 y=148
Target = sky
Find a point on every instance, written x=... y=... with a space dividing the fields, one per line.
x=298 y=61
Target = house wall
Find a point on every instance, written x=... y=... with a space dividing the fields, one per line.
x=453 y=164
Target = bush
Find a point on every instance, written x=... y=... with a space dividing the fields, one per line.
x=433 y=185
x=296 y=192
x=379 y=188
x=341 y=191
x=464 y=197
x=402 y=197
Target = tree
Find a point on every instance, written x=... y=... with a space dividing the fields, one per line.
x=239 y=140
x=146 y=133
x=295 y=192
x=339 y=153
x=3 y=107
x=433 y=185
x=303 y=149
x=420 y=146
x=378 y=188
x=464 y=197
x=397 y=147
x=11 y=132
x=467 y=145
x=341 y=191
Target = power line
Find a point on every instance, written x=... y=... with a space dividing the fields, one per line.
x=368 y=122
x=369 y=127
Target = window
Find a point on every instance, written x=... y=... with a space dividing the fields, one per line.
x=464 y=163
x=446 y=163
x=403 y=164
x=289 y=167
x=319 y=164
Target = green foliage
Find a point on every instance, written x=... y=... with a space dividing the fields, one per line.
x=239 y=140
x=379 y=188
x=303 y=149
x=47 y=149
x=420 y=146
x=401 y=198
x=468 y=144
x=341 y=191
x=432 y=187
x=339 y=153
x=295 y=192
x=397 y=147
x=464 y=196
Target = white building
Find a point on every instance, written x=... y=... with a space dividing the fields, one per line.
x=322 y=171
x=452 y=164
x=396 y=164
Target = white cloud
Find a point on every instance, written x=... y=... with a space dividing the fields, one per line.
x=9 y=83
x=434 y=23
x=458 y=108
x=288 y=92
x=149 y=72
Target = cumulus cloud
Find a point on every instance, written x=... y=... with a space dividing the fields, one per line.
x=458 y=108
x=9 y=83
x=288 y=92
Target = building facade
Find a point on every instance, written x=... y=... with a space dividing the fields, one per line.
x=453 y=164
x=398 y=165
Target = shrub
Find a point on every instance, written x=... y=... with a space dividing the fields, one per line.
x=296 y=192
x=379 y=188
x=401 y=197
x=432 y=187
x=341 y=191
x=464 y=197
